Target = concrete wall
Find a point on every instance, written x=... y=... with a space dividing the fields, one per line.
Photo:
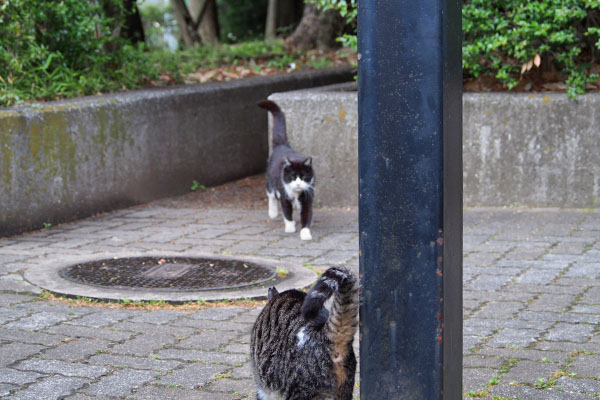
x=518 y=149
x=65 y=160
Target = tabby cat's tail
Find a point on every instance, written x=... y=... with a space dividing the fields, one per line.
x=343 y=316
x=279 y=129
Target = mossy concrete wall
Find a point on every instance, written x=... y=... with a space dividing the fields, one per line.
x=70 y=159
x=518 y=149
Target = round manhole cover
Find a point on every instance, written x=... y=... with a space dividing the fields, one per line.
x=169 y=273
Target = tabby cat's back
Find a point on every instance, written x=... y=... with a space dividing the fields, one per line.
x=301 y=350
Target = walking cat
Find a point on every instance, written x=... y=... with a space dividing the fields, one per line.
x=302 y=351
x=290 y=177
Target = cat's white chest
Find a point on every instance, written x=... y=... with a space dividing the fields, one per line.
x=302 y=337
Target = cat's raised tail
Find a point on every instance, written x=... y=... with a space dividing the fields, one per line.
x=279 y=128
x=343 y=315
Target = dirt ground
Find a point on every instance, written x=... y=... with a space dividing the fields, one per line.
x=246 y=193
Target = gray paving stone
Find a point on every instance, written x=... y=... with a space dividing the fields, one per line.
x=570 y=332
x=528 y=372
x=246 y=247
x=37 y=321
x=53 y=387
x=574 y=385
x=476 y=379
x=217 y=314
x=173 y=393
x=516 y=338
x=568 y=346
x=525 y=354
x=74 y=331
x=243 y=372
x=55 y=308
x=546 y=251
x=5 y=389
x=241 y=348
x=537 y=276
x=576 y=282
x=586 y=366
x=585 y=309
x=554 y=302
x=543 y=264
x=61 y=368
x=76 y=350
x=8 y=299
x=584 y=270
x=158 y=317
x=209 y=340
x=479 y=361
x=560 y=317
x=202 y=356
x=198 y=324
x=232 y=387
x=193 y=375
x=499 y=310
x=16 y=283
x=143 y=345
x=469 y=330
x=489 y=282
x=121 y=383
x=16 y=377
x=166 y=329
x=11 y=352
x=150 y=363
x=10 y=314
x=103 y=318
x=528 y=393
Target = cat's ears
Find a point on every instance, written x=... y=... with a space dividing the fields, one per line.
x=272 y=293
x=307 y=162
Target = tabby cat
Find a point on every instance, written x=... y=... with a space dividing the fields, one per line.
x=290 y=177
x=302 y=351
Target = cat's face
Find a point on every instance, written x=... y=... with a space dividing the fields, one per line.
x=298 y=176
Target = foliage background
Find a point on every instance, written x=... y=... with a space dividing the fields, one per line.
x=52 y=49
x=67 y=48
x=508 y=39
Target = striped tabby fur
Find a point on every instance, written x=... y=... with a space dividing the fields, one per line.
x=302 y=351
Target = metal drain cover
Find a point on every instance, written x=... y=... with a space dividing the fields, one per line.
x=169 y=273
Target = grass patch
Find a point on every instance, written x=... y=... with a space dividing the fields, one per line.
x=282 y=272
x=151 y=304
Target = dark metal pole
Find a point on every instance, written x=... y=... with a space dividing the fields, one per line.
x=410 y=206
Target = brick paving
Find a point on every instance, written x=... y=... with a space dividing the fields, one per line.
x=531 y=305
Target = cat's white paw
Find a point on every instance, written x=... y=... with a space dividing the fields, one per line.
x=305 y=234
x=290 y=226
x=273 y=212
x=272 y=205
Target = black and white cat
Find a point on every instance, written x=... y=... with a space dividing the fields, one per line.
x=290 y=177
x=302 y=351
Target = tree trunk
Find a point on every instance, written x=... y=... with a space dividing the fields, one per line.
x=184 y=21
x=280 y=14
x=317 y=29
x=209 y=25
x=271 y=23
x=134 y=28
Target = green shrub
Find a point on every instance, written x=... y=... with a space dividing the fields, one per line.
x=54 y=49
x=508 y=38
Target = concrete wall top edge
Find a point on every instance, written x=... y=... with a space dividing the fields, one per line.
x=133 y=96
